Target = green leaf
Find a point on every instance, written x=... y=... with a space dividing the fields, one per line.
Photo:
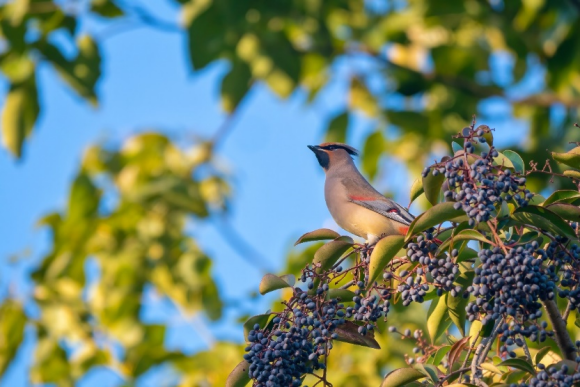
x=383 y=252
x=516 y=160
x=561 y=196
x=401 y=377
x=432 y=187
x=456 y=305
x=239 y=376
x=465 y=235
x=12 y=323
x=271 y=282
x=572 y=173
x=207 y=20
x=317 y=235
x=348 y=333
x=344 y=295
x=439 y=355
x=336 y=130
x=502 y=160
x=19 y=115
x=437 y=318
x=330 y=252
x=519 y=364
x=566 y=211
x=362 y=99
x=106 y=8
x=570 y=158
x=540 y=354
x=474 y=332
x=416 y=190
x=428 y=370
x=260 y=319
x=435 y=215
x=372 y=151
x=544 y=219
x=235 y=85
x=456 y=147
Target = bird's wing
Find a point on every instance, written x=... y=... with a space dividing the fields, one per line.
x=385 y=207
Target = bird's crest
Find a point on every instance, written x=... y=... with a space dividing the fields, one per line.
x=330 y=145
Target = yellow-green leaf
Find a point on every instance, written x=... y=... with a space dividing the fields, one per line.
x=383 y=252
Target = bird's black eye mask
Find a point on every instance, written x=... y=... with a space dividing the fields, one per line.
x=350 y=151
x=323 y=159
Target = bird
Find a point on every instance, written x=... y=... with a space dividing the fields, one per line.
x=355 y=205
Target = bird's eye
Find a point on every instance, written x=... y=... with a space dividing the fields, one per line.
x=332 y=147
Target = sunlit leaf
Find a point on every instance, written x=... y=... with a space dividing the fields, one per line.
x=432 y=187
x=329 y=253
x=544 y=219
x=570 y=158
x=465 y=235
x=516 y=160
x=317 y=235
x=383 y=252
x=520 y=364
x=561 y=196
x=416 y=190
x=437 y=318
x=271 y=282
x=401 y=377
x=435 y=215
x=12 y=323
x=239 y=376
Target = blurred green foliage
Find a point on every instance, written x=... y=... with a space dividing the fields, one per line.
x=128 y=207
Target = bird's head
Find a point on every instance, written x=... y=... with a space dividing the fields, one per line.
x=332 y=153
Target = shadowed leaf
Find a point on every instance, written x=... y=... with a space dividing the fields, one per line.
x=348 y=333
x=317 y=235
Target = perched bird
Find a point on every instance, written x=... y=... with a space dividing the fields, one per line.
x=353 y=203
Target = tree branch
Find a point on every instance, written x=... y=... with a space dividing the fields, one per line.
x=561 y=332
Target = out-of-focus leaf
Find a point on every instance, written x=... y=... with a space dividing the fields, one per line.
x=435 y=215
x=317 y=235
x=19 y=115
x=348 y=333
x=106 y=8
x=12 y=323
x=372 y=151
x=516 y=160
x=383 y=252
x=543 y=218
x=570 y=158
x=235 y=85
x=362 y=99
x=337 y=127
x=432 y=187
x=402 y=377
x=572 y=174
x=437 y=318
x=205 y=21
x=271 y=282
x=239 y=376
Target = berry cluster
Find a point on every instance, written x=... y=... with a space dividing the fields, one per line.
x=368 y=310
x=511 y=284
x=552 y=377
x=300 y=336
x=511 y=334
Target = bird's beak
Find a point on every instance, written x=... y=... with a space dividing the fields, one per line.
x=314 y=148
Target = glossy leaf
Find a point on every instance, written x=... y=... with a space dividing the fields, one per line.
x=329 y=253
x=435 y=215
x=516 y=160
x=432 y=187
x=570 y=158
x=416 y=190
x=519 y=364
x=271 y=282
x=402 y=377
x=348 y=333
x=566 y=211
x=543 y=218
x=561 y=196
x=384 y=251
x=464 y=235
x=239 y=376
x=317 y=235
x=437 y=318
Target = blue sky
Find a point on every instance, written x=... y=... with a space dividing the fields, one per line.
x=147 y=84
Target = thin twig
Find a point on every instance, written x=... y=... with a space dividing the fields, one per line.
x=567 y=311
x=241 y=246
x=526 y=349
